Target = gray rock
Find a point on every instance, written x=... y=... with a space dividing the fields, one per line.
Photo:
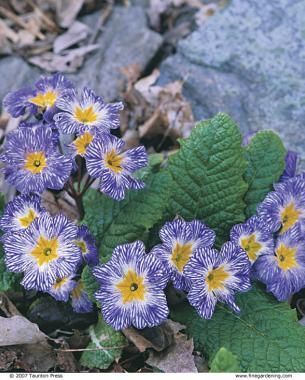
x=248 y=60
x=125 y=40
x=15 y=73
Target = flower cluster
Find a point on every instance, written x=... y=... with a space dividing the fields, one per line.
x=33 y=154
x=132 y=283
x=49 y=250
x=274 y=238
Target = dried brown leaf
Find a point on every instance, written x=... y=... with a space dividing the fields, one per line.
x=59 y=203
x=67 y=10
x=69 y=61
x=19 y=330
x=178 y=357
x=77 y=32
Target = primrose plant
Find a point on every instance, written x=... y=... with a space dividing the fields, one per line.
x=208 y=247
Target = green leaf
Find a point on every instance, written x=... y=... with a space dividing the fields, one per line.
x=106 y=345
x=8 y=280
x=266 y=336
x=225 y=361
x=90 y=283
x=265 y=157
x=114 y=223
x=208 y=175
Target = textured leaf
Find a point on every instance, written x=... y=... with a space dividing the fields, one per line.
x=8 y=280
x=208 y=176
x=114 y=223
x=265 y=337
x=106 y=345
x=225 y=361
x=90 y=283
x=265 y=157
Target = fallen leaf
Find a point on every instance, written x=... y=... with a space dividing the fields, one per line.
x=77 y=32
x=178 y=357
x=19 y=330
x=158 y=337
x=7 y=307
x=67 y=10
x=59 y=203
x=69 y=60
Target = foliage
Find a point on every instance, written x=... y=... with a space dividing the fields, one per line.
x=265 y=337
x=106 y=345
x=224 y=361
x=265 y=157
x=208 y=175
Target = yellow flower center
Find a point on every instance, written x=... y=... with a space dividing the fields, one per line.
x=27 y=219
x=113 y=161
x=60 y=282
x=82 y=245
x=45 y=250
x=216 y=278
x=35 y=162
x=86 y=115
x=289 y=216
x=132 y=287
x=82 y=142
x=286 y=257
x=45 y=100
x=77 y=291
x=251 y=246
x=181 y=254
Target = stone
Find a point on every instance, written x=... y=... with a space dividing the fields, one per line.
x=124 y=40
x=15 y=73
x=248 y=61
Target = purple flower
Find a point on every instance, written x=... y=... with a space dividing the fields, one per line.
x=285 y=206
x=216 y=276
x=87 y=245
x=41 y=99
x=44 y=251
x=16 y=103
x=80 y=300
x=179 y=240
x=290 y=167
x=32 y=163
x=254 y=237
x=90 y=111
x=21 y=212
x=283 y=271
x=83 y=140
x=62 y=288
x=132 y=286
x=105 y=160
x=49 y=89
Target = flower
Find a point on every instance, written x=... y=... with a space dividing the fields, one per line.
x=80 y=300
x=83 y=140
x=32 y=162
x=253 y=237
x=216 y=276
x=90 y=111
x=62 y=288
x=87 y=245
x=44 y=251
x=16 y=103
x=179 y=241
x=290 y=167
x=49 y=89
x=20 y=212
x=40 y=99
x=285 y=206
x=132 y=286
x=104 y=159
x=284 y=270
